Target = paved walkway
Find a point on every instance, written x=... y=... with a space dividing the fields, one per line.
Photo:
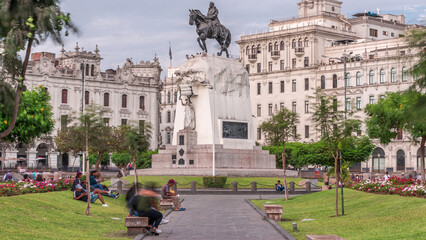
x=218 y=217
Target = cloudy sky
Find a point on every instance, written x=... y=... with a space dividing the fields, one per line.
x=139 y=29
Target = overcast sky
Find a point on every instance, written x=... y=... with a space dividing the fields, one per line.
x=139 y=29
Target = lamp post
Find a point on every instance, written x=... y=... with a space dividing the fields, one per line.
x=345 y=75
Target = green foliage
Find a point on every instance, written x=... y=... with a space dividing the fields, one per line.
x=417 y=39
x=94 y=156
x=280 y=127
x=144 y=160
x=121 y=159
x=214 y=181
x=34 y=117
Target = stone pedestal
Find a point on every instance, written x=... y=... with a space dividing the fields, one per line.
x=32 y=155
x=273 y=211
x=53 y=160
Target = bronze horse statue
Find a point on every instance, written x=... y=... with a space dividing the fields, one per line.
x=205 y=29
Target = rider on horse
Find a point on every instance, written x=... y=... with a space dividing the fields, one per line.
x=214 y=20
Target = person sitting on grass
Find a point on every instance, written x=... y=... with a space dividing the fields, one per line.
x=77 y=181
x=279 y=187
x=166 y=193
x=95 y=181
x=81 y=194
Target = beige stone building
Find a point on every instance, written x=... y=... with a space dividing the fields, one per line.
x=128 y=95
x=295 y=57
x=168 y=98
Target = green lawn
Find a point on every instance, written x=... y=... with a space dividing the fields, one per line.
x=367 y=215
x=56 y=215
x=185 y=181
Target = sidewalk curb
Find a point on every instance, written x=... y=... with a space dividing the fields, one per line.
x=166 y=213
x=277 y=227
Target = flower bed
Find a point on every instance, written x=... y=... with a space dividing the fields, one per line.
x=394 y=185
x=32 y=186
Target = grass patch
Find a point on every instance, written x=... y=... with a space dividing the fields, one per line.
x=56 y=215
x=367 y=216
x=185 y=181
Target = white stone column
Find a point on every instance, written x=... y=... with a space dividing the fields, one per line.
x=32 y=155
x=53 y=160
x=73 y=162
x=11 y=154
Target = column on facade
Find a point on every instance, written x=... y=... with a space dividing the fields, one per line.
x=31 y=158
x=11 y=154
x=53 y=160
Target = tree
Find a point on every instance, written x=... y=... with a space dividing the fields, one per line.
x=23 y=23
x=336 y=132
x=121 y=160
x=280 y=128
x=397 y=112
x=417 y=39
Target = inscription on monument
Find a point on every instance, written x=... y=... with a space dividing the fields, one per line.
x=236 y=130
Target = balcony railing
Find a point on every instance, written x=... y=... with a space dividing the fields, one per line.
x=252 y=58
x=299 y=51
x=275 y=54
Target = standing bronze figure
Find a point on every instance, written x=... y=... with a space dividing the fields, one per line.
x=210 y=27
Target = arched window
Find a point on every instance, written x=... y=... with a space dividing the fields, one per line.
x=306 y=42
x=248 y=50
x=382 y=76
x=169 y=97
x=371 y=77
x=293 y=43
x=92 y=70
x=282 y=45
x=86 y=97
x=106 y=99
x=259 y=49
x=64 y=96
x=176 y=96
x=87 y=69
x=270 y=47
x=169 y=137
x=253 y=50
x=334 y=81
x=378 y=160
x=358 y=78
x=400 y=160
x=124 y=101
x=275 y=46
x=404 y=74
x=300 y=43
x=322 y=82
x=142 y=102
x=348 y=79
x=393 y=75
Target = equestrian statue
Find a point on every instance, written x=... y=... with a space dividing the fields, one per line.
x=210 y=27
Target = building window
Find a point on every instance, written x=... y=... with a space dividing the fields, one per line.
x=293 y=85
x=270 y=87
x=334 y=81
x=306 y=106
x=259 y=110
x=106 y=121
x=248 y=68
x=306 y=131
x=293 y=107
x=393 y=75
x=92 y=70
x=404 y=74
x=169 y=97
x=259 y=68
x=87 y=69
x=358 y=79
x=181 y=140
x=270 y=47
x=270 y=109
x=371 y=100
x=106 y=99
x=142 y=102
x=348 y=104
x=373 y=32
x=281 y=64
x=358 y=103
x=259 y=88
x=258 y=49
x=293 y=63
x=270 y=66
x=176 y=96
x=64 y=121
x=322 y=82
x=371 y=77
x=306 y=83
x=281 y=106
x=275 y=47
x=392 y=34
x=64 y=96
x=282 y=45
x=282 y=86
x=306 y=62
x=169 y=138
x=248 y=50
x=385 y=33
x=382 y=76
x=124 y=101
x=293 y=43
x=86 y=97
x=332 y=9
x=294 y=130
x=300 y=43
x=348 y=79
x=259 y=134
x=123 y=122
x=306 y=42
x=169 y=116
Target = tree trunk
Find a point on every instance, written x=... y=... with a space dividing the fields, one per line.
x=136 y=173
x=19 y=90
x=87 y=169
x=422 y=159
x=285 y=181
x=336 y=175
x=98 y=161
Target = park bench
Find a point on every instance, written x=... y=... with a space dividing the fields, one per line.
x=273 y=211
x=136 y=225
x=166 y=204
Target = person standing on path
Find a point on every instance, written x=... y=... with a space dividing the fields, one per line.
x=167 y=194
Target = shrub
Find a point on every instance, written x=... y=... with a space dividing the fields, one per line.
x=214 y=182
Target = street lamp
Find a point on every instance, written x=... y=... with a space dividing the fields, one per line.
x=345 y=75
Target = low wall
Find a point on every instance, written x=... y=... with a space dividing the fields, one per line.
x=230 y=172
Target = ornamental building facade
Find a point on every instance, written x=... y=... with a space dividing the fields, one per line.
x=128 y=95
x=296 y=56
